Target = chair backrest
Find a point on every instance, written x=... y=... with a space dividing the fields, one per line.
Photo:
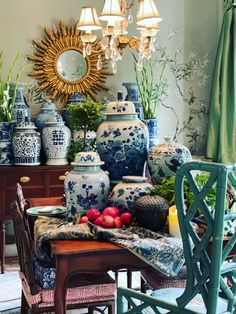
x=23 y=243
x=208 y=271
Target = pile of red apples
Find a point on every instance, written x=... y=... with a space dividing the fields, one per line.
x=110 y=217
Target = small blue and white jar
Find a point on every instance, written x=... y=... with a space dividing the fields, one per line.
x=122 y=141
x=86 y=185
x=26 y=144
x=56 y=138
x=165 y=159
x=126 y=193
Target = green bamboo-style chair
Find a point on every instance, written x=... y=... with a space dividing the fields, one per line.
x=211 y=270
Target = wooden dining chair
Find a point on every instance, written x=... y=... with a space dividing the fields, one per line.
x=95 y=291
x=211 y=272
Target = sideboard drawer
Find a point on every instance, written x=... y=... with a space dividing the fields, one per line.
x=57 y=177
x=25 y=178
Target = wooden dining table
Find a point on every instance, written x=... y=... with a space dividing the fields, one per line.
x=73 y=256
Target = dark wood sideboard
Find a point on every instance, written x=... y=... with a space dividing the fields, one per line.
x=36 y=181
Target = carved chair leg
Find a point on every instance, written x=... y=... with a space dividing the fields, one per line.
x=90 y=310
x=24 y=304
x=112 y=308
x=2 y=245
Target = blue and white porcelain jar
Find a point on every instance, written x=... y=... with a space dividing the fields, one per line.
x=87 y=185
x=56 y=138
x=133 y=95
x=6 y=152
x=22 y=111
x=125 y=194
x=46 y=111
x=122 y=141
x=166 y=158
x=26 y=144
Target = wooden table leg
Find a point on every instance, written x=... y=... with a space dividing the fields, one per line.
x=2 y=245
x=60 y=285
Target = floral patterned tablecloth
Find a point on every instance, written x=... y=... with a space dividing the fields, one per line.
x=161 y=251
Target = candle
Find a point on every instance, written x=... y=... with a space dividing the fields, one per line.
x=173 y=222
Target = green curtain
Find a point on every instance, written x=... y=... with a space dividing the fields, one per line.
x=221 y=137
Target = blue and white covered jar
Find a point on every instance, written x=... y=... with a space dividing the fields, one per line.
x=26 y=144
x=166 y=158
x=47 y=110
x=87 y=185
x=56 y=139
x=122 y=141
x=126 y=193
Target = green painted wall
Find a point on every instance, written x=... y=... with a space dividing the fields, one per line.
x=197 y=24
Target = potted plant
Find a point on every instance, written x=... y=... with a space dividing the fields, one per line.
x=151 y=86
x=86 y=117
x=7 y=105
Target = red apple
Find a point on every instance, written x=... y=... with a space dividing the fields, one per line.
x=111 y=211
x=108 y=221
x=99 y=221
x=93 y=214
x=117 y=222
x=83 y=220
x=126 y=218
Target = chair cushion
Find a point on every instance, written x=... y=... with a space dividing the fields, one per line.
x=169 y=295
x=90 y=288
x=155 y=280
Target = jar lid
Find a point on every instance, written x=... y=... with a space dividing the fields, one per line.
x=137 y=179
x=87 y=159
x=54 y=119
x=120 y=108
x=49 y=105
x=25 y=125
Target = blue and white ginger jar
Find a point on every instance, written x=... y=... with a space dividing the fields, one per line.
x=47 y=110
x=122 y=141
x=165 y=159
x=86 y=185
x=26 y=144
x=56 y=139
x=125 y=194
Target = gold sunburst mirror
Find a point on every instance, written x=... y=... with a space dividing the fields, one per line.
x=61 y=69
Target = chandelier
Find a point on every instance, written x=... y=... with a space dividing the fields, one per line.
x=117 y=15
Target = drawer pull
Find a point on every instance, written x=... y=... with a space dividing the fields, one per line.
x=25 y=179
x=62 y=178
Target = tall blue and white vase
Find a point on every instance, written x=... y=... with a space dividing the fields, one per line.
x=86 y=185
x=153 y=131
x=26 y=144
x=134 y=96
x=56 y=138
x=166 y=158
x=22 y=111
x=122 y=141
x=6 y=152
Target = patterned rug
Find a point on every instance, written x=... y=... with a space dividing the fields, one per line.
x=10 y=292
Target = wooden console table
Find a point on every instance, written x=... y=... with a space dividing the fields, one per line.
x=36 y=181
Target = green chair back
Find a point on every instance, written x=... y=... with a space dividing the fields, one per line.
x=211 y=272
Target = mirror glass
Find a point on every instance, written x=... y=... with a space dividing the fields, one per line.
x=71 y=65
